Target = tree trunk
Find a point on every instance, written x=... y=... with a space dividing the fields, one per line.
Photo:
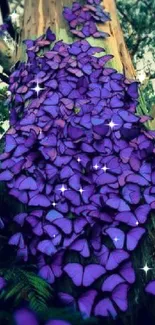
x=40 y=14
x=115 y=44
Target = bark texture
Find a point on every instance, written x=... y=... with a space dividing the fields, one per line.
x=115 y=44
x=40 y=14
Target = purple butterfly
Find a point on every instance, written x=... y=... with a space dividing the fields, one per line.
x=105 y=308
x=81 y=246
x=150 y=288
x=17 y=240
x=133 y=237
x=46 y=247
x=54 y=270
x=84 y=275
x=111 y=282
x=40 y=200
x=119 y=296
x=86 y=302
x=127 y=272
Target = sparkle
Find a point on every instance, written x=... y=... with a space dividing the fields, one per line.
x=137 y=223
x=105 y=168
x=111 y=124
x=146 y=268
x=81 y=190
x=116 y=239
x=54 y=236
x=37 y=88
x=5 y=39
x=78 y=159
x=54 y=204
x=63 y=189
x=14 y=16
x=96 y=166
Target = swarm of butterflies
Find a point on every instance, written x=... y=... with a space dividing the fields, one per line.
x=81 y=159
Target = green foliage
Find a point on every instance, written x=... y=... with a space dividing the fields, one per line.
x=4 y=111
x=138 y=23
x=149 y=95
x=137 y=18
x=25 y=285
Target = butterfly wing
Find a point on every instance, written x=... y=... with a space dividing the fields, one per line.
x=46 y=273
x=117 y=236
x=79 y=224
x=57 y=263
x=91 y=273
x=46 y=246
x=17 y=240
x=102 y=255
x=142 y=213
x=133 y=237
x=105 y=308
x=119 y=296
x=127 y=218
x=86 y=301
x=81 y=246
x=115 y=258
x=127 y=272
x=150 y=288
x=28 y=184
x=111 y=282
x=40 y=200
x=75 y=272
x=53 y=215
x=66 y=299
x=65 y=225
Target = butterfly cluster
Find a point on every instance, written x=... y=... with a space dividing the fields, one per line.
x=81 y=159
x=82 y=19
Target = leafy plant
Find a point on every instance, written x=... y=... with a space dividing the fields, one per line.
x=27 y=286
x=4 y=111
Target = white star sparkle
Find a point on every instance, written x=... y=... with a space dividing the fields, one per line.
x=96 y=166
x=111 y=124
x=105 y=168
x=37 y=88
x=63 y=189
x=54 y=204
x=81 y=190
x=5 y=39
x=116 y=239
x=146 y=268
x=79 y=160
x=14 y=16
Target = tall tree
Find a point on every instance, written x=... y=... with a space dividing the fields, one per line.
x=40 y=14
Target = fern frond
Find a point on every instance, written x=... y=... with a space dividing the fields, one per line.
x=26 y=285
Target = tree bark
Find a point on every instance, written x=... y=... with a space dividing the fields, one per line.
x=115 y=44
x=40 y=14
